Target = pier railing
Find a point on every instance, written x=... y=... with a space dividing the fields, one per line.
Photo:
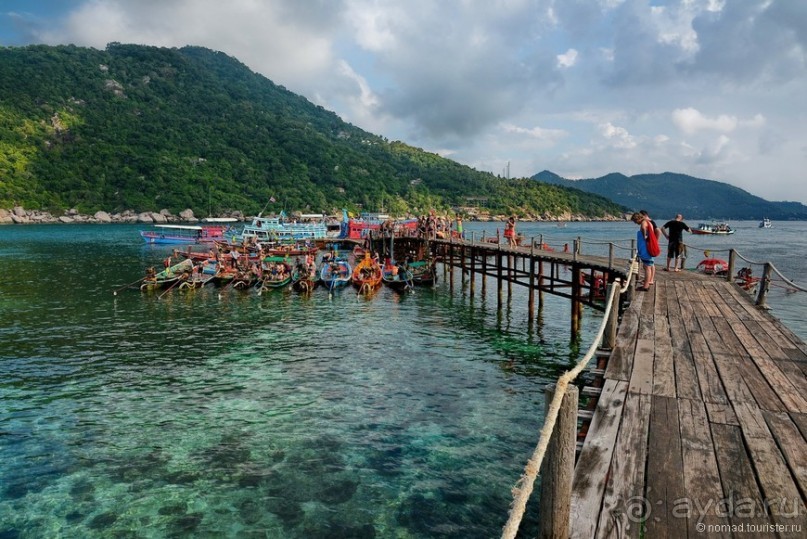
x=763 y=283
x=557 y=440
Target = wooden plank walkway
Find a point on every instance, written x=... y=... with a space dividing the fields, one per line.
x=701 y=427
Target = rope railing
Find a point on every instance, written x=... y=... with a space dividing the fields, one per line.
x=785 y=279
x=768 y=271
x=524 y=487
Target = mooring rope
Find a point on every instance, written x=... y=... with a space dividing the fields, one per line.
x=524 y=487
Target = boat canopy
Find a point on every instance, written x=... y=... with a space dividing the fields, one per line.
x=180 y=227
x=219 y=220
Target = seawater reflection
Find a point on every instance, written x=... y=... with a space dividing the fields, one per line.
x=228 y=414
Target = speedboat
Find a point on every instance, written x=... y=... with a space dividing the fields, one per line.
x=713 y=229
x=765 y=223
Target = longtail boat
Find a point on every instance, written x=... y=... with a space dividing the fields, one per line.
x=424 y=272
x=276 y=273
x=244 y=280
x=367 y=274
x=166 y=277
x=196 y=280
x=335 y=273
x=398 y=277
x=304 y=277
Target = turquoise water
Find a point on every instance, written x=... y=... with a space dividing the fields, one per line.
x=208 y=414
x=201 y=414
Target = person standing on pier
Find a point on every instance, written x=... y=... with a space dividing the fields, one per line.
x=645 y=228
x=675 y=241
x=510 y=231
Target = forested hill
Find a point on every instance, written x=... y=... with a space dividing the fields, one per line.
x=145 y=128
x=668 y=194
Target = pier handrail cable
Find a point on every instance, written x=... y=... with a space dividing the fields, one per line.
x=524 y=487
x=773 y=268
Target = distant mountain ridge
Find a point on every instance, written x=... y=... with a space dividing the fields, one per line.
x=666 y=194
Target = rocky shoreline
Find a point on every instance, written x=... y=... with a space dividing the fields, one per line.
x=21 y=216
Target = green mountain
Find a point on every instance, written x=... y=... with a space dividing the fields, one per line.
x=668 y=194
x=146 y=128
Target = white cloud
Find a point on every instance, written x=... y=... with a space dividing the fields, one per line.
x=567 y=59
x=617 y=137
x=539 y=133
x=477 y=79
x=690 y=121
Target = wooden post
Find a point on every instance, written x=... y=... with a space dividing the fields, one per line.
x=610 y=255
x=531 y=297
x=473 y=270
x=762 y=293
x=499 y=269
x=557 y=469
x=463 y=270
x=451 y=265
x=540 y=285
x=730 y=271
x=484 y=270
x=575 y=300
x=511 y=262
x=609 y=337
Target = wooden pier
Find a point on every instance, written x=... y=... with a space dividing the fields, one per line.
x=701 y=426
x=697 y=420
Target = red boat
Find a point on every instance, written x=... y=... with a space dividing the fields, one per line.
x=361 y=227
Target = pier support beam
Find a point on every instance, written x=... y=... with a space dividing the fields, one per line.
x=531 y=297
x=557 y=469
x=499 y=270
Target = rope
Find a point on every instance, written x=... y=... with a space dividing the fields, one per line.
x=749 y=260
x=775 y=270
x=524 y=487
x=614 y=243
x=785 y=279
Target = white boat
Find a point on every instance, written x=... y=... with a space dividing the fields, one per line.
x=184 y=234
x=765 y=223
x=713 y=228
x=279 y=228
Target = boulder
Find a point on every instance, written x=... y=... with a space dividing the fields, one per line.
x=159 y=217
x=187 y=215
x=5 y=217
x=145 y=217
x=19 y=211
x=65 y=219
x=102 y=217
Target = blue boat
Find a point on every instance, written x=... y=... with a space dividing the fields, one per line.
x=335 y=273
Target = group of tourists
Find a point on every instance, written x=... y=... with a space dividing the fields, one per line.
x=673 y=231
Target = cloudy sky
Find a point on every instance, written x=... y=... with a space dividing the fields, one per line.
x=712 y=88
